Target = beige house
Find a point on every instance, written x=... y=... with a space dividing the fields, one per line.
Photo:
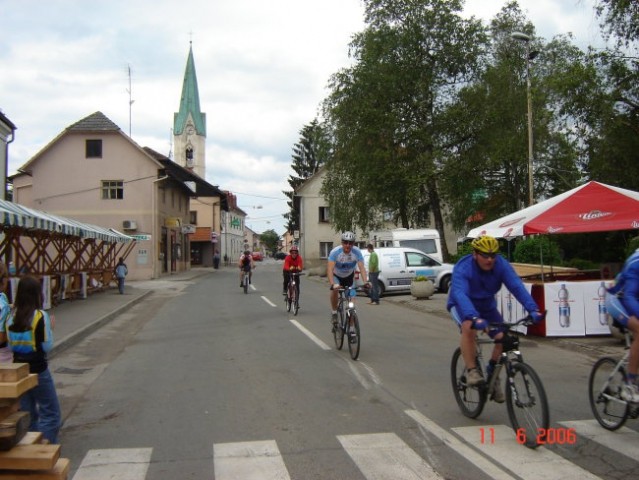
x=94 y=173
x=316 y=235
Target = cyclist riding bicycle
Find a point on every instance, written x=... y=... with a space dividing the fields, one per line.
x=246 y=264
x=477 y=277
x=622 y=303
x=340 y=271
x=292 y=263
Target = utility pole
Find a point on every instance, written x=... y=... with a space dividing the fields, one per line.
x=129 y=90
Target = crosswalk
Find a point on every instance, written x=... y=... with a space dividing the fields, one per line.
x=491 y=448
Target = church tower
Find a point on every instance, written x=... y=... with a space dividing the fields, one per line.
x=189 y=124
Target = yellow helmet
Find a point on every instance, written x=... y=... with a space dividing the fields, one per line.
x=485 y=244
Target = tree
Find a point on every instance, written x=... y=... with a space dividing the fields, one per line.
x=309 y=154
x=385 y=111
x=270 y=239
x=485 y=172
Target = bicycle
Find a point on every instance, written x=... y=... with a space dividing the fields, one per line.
x=246 y=280
x=606 y=380
x=292 y=299
x=347 y=321
x=526 y=398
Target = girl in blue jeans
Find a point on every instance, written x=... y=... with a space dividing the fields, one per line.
x=30 y=336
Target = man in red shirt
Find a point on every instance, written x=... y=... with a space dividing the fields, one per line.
x=292 y=263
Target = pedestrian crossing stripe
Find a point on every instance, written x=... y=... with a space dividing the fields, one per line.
x=385 y=455
x=259 y=460
x=528 y=463
x=465 y=451
x=624 y=440
x=120 y=463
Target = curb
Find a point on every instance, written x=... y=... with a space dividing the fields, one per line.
x=75 y=337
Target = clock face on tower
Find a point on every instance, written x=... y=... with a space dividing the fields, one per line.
x=190 y=130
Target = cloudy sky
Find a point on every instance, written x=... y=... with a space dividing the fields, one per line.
x=262 y=69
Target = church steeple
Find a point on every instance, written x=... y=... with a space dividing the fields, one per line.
x=189 y=124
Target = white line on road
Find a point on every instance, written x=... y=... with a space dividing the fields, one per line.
x=624 y=440
x=268 y=301
x=249 y=461
x=120 y=463
x=492 y=470
x=306 y=332
x=530 y=464
x=385 y=455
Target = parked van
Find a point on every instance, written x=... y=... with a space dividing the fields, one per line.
x=399 y=265
x=425 y=239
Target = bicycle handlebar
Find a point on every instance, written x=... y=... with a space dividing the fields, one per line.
x=527 y=321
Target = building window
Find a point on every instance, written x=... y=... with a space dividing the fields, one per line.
x=112 y=189
x=324 y=216
x=325 y=249
x=193 y=217
x=94 y=149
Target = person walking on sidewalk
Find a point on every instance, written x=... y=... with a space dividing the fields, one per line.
x=373 y=274
x=29 y=331
x=120 y=273
x=6 y=355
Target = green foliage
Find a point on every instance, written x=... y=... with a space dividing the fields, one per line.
x=312 y=151
x=633 y=245
x=582 y=264
x=538 y=249
x=420 y=278
x=271 y=239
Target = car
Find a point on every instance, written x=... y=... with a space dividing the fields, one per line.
x=280 y=255
x=257 y=256
x=399 y=265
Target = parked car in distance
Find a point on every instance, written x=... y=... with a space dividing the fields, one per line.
x=280 y=255
x=257 y=256
x=399 y=265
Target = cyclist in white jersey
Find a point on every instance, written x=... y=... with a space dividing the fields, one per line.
x=340 y=271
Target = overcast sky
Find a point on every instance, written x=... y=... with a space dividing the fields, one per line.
x=262 y=69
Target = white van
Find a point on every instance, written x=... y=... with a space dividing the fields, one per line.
x=399 y=265
x=425 y=239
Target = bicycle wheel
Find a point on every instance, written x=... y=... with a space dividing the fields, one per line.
x=246 y=283
x=354 y=341
x=471 y=400
x=288 y=300
x=604 y=392
x=527 y=405
x=338 y=330
x=295 y=300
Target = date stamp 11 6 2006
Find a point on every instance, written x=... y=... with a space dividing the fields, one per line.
x=544 y=436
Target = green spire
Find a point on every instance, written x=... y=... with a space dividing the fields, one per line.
x=190 y=101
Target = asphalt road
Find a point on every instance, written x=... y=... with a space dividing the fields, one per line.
x=199 y=380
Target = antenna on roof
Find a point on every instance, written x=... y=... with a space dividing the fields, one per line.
x=129 y=90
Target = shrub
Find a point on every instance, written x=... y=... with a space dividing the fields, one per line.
x=532 y=249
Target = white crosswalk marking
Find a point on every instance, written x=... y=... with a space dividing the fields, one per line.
x=259 y=460
x=461 y=448
x=385 y=456
x=120 y=463
x=624 y=440
x=527 y=463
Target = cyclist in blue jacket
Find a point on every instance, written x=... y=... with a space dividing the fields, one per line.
x=477 y=277
x=622 y=303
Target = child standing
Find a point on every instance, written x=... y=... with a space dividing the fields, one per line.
x=30 y=336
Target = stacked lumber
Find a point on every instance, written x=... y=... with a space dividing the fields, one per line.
x=22 y=453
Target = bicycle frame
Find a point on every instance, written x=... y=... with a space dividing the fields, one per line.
x=293 y=292
x=348 y=322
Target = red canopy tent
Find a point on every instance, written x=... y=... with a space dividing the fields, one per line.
x=592 y=207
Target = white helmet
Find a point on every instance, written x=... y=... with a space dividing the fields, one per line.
x=348 y=237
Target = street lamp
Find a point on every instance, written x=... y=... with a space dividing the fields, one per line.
x=529 y=56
